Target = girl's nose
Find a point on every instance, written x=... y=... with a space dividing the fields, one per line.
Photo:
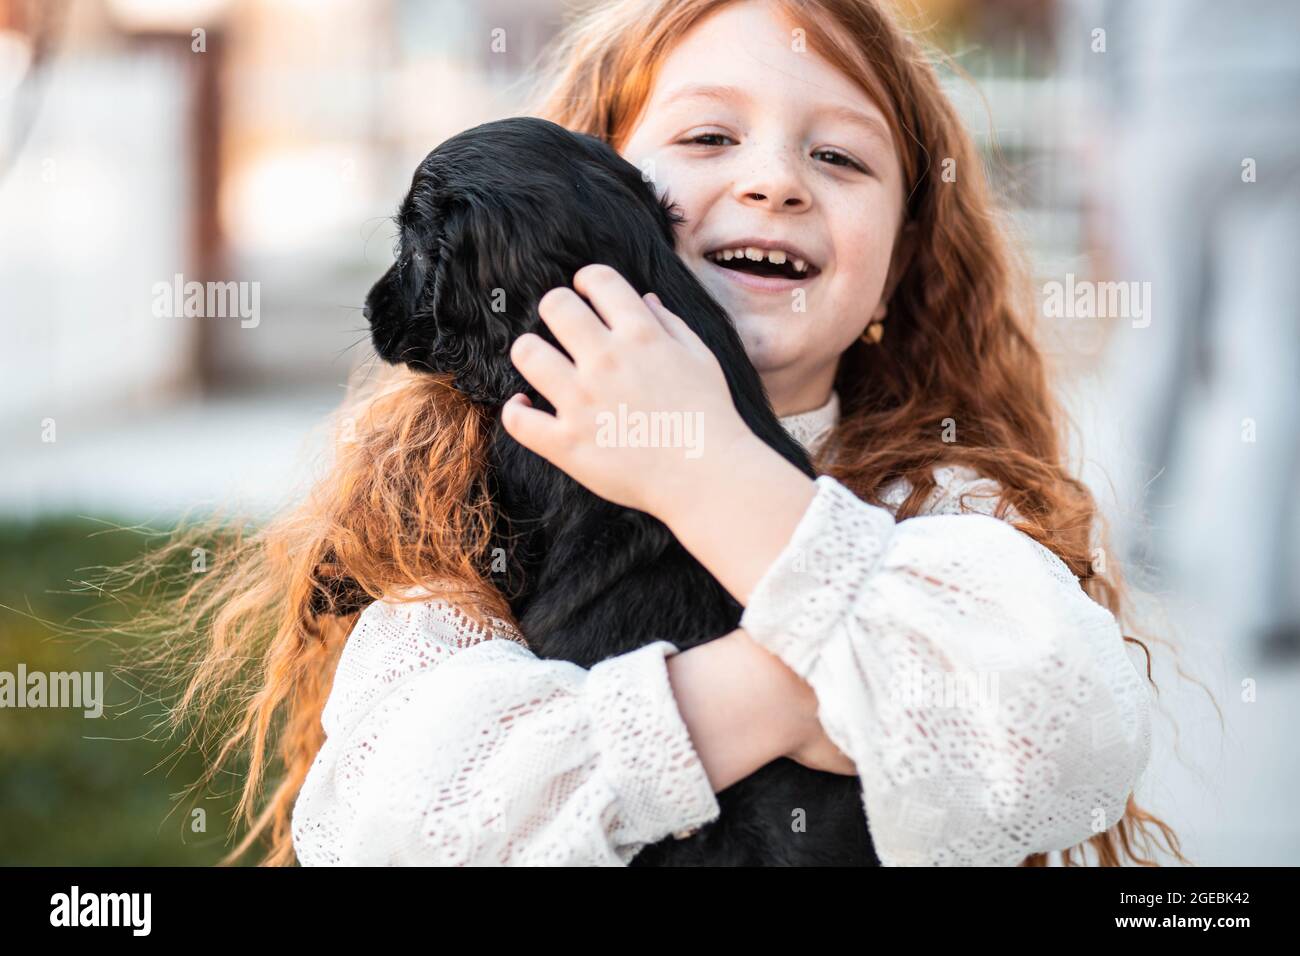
x=775 y=185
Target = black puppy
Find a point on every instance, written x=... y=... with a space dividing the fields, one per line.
x=495 y=217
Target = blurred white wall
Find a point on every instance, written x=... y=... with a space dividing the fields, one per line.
x=91 y=215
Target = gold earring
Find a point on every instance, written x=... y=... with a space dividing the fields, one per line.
x=875 y=332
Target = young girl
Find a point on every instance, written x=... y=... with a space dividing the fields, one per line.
x=926 y=615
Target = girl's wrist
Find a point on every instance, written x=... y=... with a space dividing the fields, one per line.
x=674 y=496
x=740 y=512
x=742 y=707
x=791 y=700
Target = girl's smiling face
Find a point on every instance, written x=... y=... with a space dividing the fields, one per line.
x=763 y=146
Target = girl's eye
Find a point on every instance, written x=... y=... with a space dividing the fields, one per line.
x=842 y=159
x=696 y=139
x=837 y=158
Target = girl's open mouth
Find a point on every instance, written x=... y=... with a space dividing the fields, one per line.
x=765 y=270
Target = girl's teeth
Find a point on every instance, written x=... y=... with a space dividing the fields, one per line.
x=755 y=254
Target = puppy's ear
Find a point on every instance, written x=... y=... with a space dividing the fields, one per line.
x=441 y=307
x=472 y=304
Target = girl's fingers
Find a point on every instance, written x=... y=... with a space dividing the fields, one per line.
x=673 y=323
x=531 y=427
x=572 y=322
x=545 y=368
x=614 y=298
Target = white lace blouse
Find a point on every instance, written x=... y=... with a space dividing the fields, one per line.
x=989 y=705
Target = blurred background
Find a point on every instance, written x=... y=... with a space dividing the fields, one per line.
x=148 y=143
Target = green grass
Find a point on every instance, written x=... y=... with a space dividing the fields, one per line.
x=77 y=790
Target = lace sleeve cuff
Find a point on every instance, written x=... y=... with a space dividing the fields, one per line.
x=806 y=594
x=648 y=756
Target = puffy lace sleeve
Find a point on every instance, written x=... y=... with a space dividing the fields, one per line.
x=450 y=744
x=989 y=704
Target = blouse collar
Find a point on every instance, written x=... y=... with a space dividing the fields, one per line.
x=811 y=428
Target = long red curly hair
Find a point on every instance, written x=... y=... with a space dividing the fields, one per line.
x=404 y=502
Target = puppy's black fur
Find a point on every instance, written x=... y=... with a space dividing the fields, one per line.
x=495 y=217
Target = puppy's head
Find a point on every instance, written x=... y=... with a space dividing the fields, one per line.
x=495 y=217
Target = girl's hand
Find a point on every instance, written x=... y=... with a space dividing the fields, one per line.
x=744 y=708
x=812 y=747
x=644 y=418
x=642 y=410
x=817 y=752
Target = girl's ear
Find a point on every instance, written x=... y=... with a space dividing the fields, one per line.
x=905 y=247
